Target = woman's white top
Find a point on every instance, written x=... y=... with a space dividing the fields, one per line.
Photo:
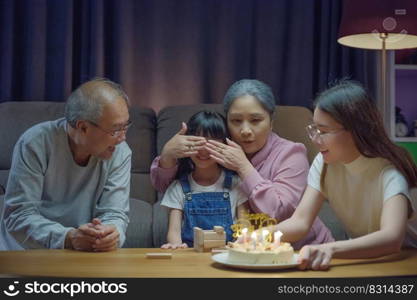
x=358 y=190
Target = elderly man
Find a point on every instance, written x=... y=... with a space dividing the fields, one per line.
x=69 y=181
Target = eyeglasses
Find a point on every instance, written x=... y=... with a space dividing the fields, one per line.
x=315 y=134
x=114 y=133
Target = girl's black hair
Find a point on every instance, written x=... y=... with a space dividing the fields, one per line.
x=205 y=123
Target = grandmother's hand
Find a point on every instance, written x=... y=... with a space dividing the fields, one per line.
x=230 y=156
x=180 y=146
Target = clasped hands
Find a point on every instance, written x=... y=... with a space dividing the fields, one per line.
x=93 y=236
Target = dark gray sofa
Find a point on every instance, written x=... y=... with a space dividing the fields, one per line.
x=148 y=134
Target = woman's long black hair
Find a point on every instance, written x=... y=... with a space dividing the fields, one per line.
x=205 y=123
x=349 y=104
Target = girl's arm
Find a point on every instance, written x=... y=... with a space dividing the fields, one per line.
x=174 y=230
x=385 y=241
x=161 y=177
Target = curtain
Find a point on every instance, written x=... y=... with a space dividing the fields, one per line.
x=175 y=51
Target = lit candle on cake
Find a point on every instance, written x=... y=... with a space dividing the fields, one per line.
x=254 y=239
x=265 y=233
x=244 y=235
x=277 y=237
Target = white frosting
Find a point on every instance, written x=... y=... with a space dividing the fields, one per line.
x=265 y=254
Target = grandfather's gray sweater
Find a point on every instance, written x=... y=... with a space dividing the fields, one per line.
x=48 y=194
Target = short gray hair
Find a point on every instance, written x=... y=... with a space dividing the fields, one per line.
x=255 y=88
x=88 y=100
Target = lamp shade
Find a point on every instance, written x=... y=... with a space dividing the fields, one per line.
x=363 y=21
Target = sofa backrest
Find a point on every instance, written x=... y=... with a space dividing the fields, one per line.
x=141 y=138
x=289 y=123
x=16 y=117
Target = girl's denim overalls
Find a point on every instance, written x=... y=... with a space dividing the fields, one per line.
x=206 y=209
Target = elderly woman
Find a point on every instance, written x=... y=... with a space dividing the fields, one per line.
x=273 y=170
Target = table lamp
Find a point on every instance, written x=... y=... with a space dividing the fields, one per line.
x=379 y=25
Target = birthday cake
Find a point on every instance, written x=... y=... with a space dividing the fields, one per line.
x=245 y=253
x=258 y=245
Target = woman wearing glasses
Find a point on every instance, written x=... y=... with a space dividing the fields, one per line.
x=368 y=180
x=273 y=171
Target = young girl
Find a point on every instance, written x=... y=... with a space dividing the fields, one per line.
x=204 y=194
x=368 y=180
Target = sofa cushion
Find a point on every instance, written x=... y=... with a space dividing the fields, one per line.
x=141 y=187
x=160 y=224
x=17 y=117
x=139 y=230
x=141 y=138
